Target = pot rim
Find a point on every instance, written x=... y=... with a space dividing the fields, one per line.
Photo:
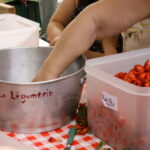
x=44 y=82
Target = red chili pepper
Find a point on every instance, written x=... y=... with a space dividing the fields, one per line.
x=81 y=119
x=121 y=75
x=79 y=127
x=83 y=131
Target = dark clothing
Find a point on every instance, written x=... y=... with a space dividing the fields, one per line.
x=119 y=45
x=81 y=5
x=97 y=45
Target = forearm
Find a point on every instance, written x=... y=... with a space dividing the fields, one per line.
x=60 y=19
x=75 y=40
x=54 y=30
x=115 y=16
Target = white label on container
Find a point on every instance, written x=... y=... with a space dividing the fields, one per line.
x=110 y=101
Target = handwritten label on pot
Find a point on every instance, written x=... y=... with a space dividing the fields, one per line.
x=25 y=96
x=110 y=101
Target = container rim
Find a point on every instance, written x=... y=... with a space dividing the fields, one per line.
x=91 y=69
x=118 y=83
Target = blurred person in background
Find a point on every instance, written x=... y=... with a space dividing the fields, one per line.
x=67 y=11
x=47 y=8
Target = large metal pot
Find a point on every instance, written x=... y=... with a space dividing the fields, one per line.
x=29 y=107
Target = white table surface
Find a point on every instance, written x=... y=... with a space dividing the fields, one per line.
x=43 y=43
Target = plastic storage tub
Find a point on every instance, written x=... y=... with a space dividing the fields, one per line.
x=16 y=31
x=118 y=112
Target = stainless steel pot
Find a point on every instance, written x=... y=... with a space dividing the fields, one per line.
x=29 y=107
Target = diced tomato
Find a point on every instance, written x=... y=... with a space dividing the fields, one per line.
x=147 y=84
x=148 y=76
x=147 y=65
x=138 y=75
x=142 y=76
x=83 y=131
x=139 y=68
x=130 y=77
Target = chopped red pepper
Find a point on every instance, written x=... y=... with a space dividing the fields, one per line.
x=81 y=119
x=139 y=75
x=147 y=65
x=121 y=75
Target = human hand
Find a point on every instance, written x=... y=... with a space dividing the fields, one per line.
x=43 y=75
x=54 y=41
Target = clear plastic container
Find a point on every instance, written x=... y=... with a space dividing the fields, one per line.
x=118 y=112
x=17 y=32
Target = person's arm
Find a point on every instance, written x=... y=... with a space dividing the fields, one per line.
x=59 y=20
x=109 y=45
x=97 y=21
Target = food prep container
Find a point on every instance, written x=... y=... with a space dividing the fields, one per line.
x=34 y=107
x=17 y=31
x=118 y=112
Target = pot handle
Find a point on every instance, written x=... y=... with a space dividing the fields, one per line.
x=83 y=79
